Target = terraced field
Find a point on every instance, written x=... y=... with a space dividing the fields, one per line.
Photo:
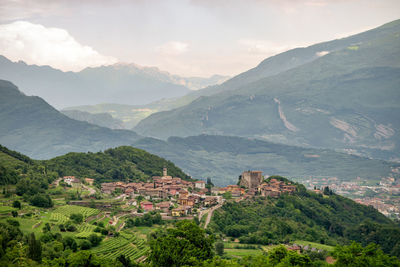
x=126 y=244
x=85 y=230
x=58 y=218
x=67 y=210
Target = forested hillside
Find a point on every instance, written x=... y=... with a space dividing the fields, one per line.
x=118 y=164
x=305 y=215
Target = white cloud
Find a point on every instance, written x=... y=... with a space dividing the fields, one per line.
x=262 y=47
x=172 y=48
x=36 y=44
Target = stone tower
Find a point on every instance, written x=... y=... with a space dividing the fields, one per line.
x=164 y=171
x=251 y=179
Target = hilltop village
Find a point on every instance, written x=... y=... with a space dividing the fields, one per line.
x=174 y=197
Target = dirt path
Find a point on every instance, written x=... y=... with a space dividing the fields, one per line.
x=121 y=226
x=91 y=190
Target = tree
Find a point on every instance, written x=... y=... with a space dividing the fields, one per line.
x=43 y=201
x=76 y=218
x=85 y=245
x=186 y=244
x=14 y=213
x=69 y=242
x=357 y=256
x=219 y=248
x=34 y=248
x=46 y=228
x=94 y=239
x=83 y=258
x=17 y=204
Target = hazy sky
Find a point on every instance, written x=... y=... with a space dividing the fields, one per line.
x=185 y=37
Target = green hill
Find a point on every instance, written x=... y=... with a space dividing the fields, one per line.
x=343 y=97
x=31 y=126
x=222 y=157
x=328 y=219
x=117 y=164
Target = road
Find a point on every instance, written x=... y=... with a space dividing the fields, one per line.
x=210 y=213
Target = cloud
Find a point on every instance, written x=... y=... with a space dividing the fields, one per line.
x=172 y=48
x=263 y=47
x=36 y=44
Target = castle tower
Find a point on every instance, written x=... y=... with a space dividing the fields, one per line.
x=251 y=179
x=165 y=172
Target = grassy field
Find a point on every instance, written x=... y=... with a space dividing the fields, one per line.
x=314 y=245
x=234 y=252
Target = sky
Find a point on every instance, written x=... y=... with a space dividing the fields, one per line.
x=183 y=37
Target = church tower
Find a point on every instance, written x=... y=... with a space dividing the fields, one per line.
x=165 y=172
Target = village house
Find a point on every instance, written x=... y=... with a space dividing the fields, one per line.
x=200 y=184
x=275 y=188
x=146 y=205
x=89 y=181
x=70 y=180
x=164 y=206
x=210 y=201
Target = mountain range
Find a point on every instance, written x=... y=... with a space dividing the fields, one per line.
x=31 y=126
x=343 y=95
x=119 y=83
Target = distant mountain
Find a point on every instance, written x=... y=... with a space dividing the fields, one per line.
x=31 y=126
x=100 y=119
x=342 y=94
x=119 y=83
x=223 y=158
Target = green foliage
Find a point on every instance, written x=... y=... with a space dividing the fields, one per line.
x=95 y=239
x=41 y=200
x=76 y=217
x=355 y=255
x=219 y=248
x=145 y=220
x=122 y=163
x=302 y=216
x=17 y=204
x=184 y=245
x=387 y=236
x=34 y=248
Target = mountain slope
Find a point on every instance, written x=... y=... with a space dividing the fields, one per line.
x=100 y=119
x=222 y=158
x=30 y=125
x=347 y=99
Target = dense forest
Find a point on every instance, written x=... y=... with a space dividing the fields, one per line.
x=327 y=219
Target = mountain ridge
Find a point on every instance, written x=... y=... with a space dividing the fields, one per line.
x=352 y=88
